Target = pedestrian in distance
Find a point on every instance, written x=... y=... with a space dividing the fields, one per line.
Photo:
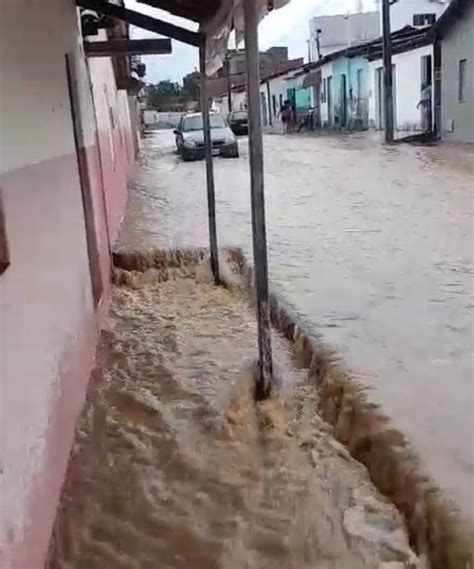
x=425 y=106
x=286 y=116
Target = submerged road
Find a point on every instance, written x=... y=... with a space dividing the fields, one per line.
x=373 y=246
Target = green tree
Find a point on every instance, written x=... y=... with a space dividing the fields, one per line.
x=163 y=93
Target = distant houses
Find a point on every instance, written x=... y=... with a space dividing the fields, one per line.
x=344 y=89
x=453 y=37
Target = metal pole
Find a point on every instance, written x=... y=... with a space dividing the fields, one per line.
x=318 y=43
x=387 y=75
x=229 y=86
x=265 y=366
x=211 y=198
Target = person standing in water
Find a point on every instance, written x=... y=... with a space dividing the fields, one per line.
x=285 y=114
x=425 y=105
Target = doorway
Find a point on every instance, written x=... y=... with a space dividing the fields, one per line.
x=329 y=101
x=263 y=103
x=427 y=81
x=343 y=102
x=379 y=98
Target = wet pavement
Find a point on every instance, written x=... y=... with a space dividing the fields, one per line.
x=373 y=248
x=175 y=466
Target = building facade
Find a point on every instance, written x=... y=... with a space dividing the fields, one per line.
x=67 y=150
x=328 y=34
x=414 y=13
x=455 y=37
x=412 y=68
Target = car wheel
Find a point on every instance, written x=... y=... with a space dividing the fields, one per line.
x=186 y=156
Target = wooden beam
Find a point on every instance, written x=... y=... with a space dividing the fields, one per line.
x=122 y=47
x=142 y=21
x=173 y=7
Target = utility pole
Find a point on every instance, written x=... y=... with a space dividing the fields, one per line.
x=265 y=365
x=318 y=42
x=388 y=74
x=309 y=50
x=211 y=198
x=229 y=86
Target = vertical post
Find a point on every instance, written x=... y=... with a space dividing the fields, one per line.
x=318 y=43
x=211 y=198
x=437 y=87
x=265 y=366
x=388 y=74
x=229 y=86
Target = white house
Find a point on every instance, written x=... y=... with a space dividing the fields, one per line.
x=415 y=13
x=411 y=69
x=273 y=92
x=454 y=34
x=328 y=34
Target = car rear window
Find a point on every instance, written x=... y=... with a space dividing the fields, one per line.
x=195 y=123
x=240 y=115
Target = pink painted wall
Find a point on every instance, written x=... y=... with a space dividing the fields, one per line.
x=48 y=324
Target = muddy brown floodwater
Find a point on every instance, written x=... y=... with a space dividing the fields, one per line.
x=174 y=465
x=372 y=246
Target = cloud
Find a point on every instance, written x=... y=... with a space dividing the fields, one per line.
x=288 y=26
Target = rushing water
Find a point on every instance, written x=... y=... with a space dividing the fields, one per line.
x=176 y=467
x=372 y=246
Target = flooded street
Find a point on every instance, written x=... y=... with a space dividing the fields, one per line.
x=175 y=466
x=372 y=246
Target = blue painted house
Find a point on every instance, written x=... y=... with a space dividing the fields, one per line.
x=351 y=92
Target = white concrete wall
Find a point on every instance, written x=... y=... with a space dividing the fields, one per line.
x=342 y=30
x=401 y=12
x=373 y=66
x=326 y=71
x=407 y=82
x=278 y=86
x=239 y=103
x=150 y=117
x=457 y=118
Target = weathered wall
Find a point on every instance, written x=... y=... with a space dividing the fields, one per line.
x=401 y=12
x=457 y=122
x=407 y=88
x=355 y=115
x=326 y=73
x=47 y=317
x=115 y=138
x=278 y=87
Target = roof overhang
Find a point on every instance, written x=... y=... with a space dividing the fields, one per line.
x=215 y=18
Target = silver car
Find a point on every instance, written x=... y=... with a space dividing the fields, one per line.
x=190 y=137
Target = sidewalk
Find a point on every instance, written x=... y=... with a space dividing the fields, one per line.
x=175 y=462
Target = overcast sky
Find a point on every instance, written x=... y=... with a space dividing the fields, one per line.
x=288 y=26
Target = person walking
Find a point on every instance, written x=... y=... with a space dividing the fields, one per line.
x=425 y=106
x=285 y=114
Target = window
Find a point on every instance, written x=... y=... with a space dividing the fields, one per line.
x=462 y=80
x=424 y=19
x=274 y=105
x=4 y=253
x=281 y=101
